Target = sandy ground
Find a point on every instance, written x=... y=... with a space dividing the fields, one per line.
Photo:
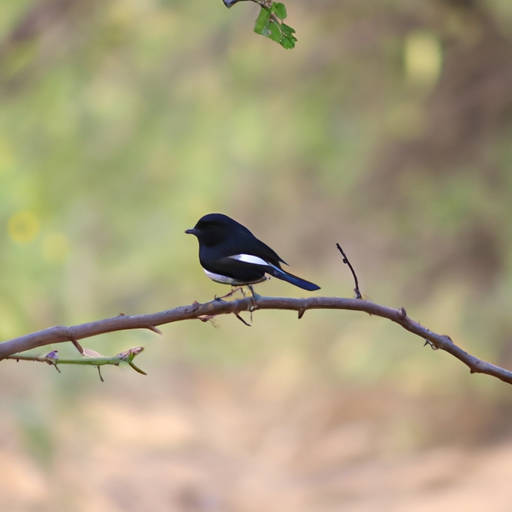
x=215 y=444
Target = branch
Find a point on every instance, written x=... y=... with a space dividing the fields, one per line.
x=91 y=359
x=208 y=310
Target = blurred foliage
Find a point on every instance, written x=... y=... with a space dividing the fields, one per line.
x=387 y=130
x=124 y=121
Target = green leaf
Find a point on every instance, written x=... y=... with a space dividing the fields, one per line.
x=287 y=30
x=261 y=25
x=269 y=25
x=279 y=10
x=275 y=32
x=288 y=43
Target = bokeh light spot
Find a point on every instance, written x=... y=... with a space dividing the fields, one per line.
x=423 y=57
x=23 y=226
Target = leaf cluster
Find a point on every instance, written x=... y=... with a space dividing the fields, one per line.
x=270 y=22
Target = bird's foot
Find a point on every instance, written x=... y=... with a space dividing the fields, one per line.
x=254 y=297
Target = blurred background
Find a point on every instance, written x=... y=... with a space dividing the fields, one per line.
x=387 y=129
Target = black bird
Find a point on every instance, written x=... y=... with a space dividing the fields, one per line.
x=230 y=254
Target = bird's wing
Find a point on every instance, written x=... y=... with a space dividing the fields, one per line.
x=246 y=243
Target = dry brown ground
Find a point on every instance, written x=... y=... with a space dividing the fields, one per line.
x=210 y=442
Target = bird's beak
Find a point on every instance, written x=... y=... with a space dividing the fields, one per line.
x=191 y=231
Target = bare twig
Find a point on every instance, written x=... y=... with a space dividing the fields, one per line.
x=354 y=275
x=60 y=334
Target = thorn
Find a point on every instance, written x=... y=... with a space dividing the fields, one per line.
x=136 y=368
x=154 y=329
x=91 y=353
x=208 y=318
x=242 y=320
x=99 y=373
x=301 y=313
x=430 y=344
x=77 y=345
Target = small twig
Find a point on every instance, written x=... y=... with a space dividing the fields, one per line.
x=53 y=359
x=354 y=275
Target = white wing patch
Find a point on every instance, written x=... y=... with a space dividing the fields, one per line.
x=251 y=259
x=218 y=278
x=244 y=258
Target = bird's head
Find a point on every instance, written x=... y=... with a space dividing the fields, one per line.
x=214 y=228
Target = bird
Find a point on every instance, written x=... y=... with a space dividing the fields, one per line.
x=230 y=254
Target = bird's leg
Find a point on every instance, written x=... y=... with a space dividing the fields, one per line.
x=234 y=289
x=253 y=300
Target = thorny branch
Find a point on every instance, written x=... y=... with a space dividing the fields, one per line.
x=60 y=334
x=90 y=358
x=208 y=311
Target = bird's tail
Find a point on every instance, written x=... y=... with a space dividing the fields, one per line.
x=290 y=278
